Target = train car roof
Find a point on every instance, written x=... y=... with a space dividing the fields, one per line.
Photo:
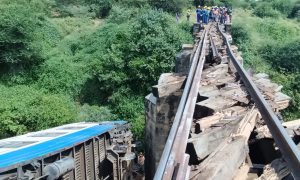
x=24 y=148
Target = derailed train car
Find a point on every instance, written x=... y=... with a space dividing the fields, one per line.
x=81 y=151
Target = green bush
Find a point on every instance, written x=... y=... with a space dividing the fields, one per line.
x=106 y=62
x=133 y=3
x=227 y=3
x=284 y=57
x=172 y=6
x=155 y=39
x=230 y=3
x=17 y=24
x=283 y=6
x=295 y=13
x=66 y=68
x=104 y=8
x=108 y=69
x=292 y=88
x=273 y=8
x=186 y=26
x=133 y=53
x=266 y=10
x=138 y=127
x=18 y=78
x=277 y=30
x=131 y=108
x=84 y=8
x=95 y=113
x=240 y=34
x=26 y=109
x=25 y=36
x=39 y=6
x=79 y=10
x=126 y=105
x=121 y=15
x=62 y=76
x=72 y=25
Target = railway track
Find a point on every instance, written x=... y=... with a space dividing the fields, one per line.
x=219 y=109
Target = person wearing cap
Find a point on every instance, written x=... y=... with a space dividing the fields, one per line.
x=211 y=15
x=207 y=15
x=217 y=14
x=198 y=14
x=188 y=14
x=204 y=14
x=222 y=15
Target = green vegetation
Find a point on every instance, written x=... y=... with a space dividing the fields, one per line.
x=60 y=63
x=24 y=109
x=24 y=35
x=268 y=34
x=65 y=61
x=173 y=6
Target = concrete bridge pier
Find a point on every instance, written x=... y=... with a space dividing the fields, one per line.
x=161 y=107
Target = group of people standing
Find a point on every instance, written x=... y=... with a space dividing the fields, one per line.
x=214 y=14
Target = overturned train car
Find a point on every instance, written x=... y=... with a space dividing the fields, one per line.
x=79 y=151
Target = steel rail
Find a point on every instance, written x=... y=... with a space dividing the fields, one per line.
x=181 y=140
x=189 y=112
x=288 y=148
x=168 y=158
x=216 y=54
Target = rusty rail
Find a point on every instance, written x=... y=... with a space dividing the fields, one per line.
x=174 y=161
x=215 y=52
x=288 y=148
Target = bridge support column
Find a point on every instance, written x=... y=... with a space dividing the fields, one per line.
x=183 y=59
x=160 y=108
x=228 y=28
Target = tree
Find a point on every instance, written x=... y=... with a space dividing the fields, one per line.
x=16 y=25
x=24 y=35
x=172 y=6
x=265 y=9
x=295 y=13
x=279 y=58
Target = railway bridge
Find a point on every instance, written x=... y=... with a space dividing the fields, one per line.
x=211 y=119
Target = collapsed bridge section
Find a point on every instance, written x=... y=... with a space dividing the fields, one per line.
x=211 y=119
